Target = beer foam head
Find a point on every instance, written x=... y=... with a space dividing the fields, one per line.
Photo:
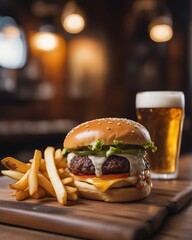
x=162 y=99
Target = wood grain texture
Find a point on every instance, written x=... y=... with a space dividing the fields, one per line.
x=79 y=223
x=178 y=226
x=11 y=232
x=94 y=219
x=173 y=194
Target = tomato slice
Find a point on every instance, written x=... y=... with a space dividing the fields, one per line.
x=106 y=176
x=112 y=176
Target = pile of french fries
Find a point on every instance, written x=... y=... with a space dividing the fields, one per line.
x=41 y=177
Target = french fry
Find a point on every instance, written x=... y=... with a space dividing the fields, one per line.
x=22 y=184
x=60 y=161
x=62 y=173
x=14 y=164
x=45 y=174
x=42 y=166
x=72 y=196
x=12 y=174
x=58 y=186
x=67 y=180
x=40 y=193
x=71 y=189
x=22 y=195
x=41 y=177
x=33 y=178
x=58 y=155
x=46 y=184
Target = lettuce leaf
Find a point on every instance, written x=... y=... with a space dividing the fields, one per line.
x=100 y=149
x=150 y=145
x=96 y=146
x=112 y=151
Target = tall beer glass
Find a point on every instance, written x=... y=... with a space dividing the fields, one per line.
x=162 y=113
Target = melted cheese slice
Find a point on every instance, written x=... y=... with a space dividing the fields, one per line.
x=103 y=184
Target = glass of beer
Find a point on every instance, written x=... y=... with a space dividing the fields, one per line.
x=162 y=113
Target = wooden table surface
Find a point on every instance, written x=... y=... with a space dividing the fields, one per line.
x=179 y=226
x=175 y=226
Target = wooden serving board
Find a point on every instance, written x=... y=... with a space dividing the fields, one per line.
x=93 y=219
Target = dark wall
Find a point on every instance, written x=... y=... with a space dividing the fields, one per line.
x=135 y=63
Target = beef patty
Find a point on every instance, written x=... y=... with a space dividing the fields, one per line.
x=82 y=165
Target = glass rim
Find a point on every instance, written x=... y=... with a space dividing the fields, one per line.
x=161 y=92
x=160 y=99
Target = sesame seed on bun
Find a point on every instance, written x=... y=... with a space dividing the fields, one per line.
x=107 y=129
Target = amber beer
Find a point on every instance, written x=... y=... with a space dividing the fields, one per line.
x=162 y=113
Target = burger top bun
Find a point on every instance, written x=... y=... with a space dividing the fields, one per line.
x=107 y=130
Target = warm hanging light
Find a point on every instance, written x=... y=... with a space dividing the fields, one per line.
x=74 y=23
x=161 y=33
x=45 y=39
x=72 y=19
x=160 y=29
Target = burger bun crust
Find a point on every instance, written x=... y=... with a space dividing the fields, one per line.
x=124 y=194
x=107 y=130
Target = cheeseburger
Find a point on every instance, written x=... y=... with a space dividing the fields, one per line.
x=107 y=158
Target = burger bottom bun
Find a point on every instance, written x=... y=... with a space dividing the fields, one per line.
x=125 y=194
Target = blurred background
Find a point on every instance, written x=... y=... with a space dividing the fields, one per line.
x=64 y=62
